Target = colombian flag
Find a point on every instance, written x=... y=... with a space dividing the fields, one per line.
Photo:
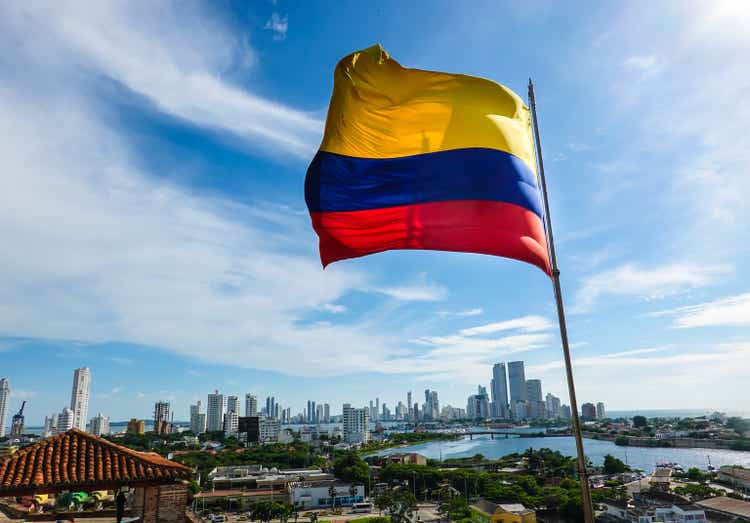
x=416 y=159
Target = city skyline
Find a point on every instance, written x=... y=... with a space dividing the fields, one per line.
x=155 y=228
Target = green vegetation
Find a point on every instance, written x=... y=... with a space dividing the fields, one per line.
x=697 y=492
x=622 y=441
x=640 y=421
x=612 y=465
x=407 y=438
x=351 y=468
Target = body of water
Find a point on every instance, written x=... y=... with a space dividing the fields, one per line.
x=637 y=457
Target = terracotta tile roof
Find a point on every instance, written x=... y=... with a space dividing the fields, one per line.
x=78 y=460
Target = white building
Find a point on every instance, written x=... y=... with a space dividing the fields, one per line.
x=600 y=412
x=4 y=396
x=231 y=423
x=269 y=429
x=233 y=404
x=517 y=387
x=499 y=391
x=215 y=409
x=65 y=420
x=307 y=495
x=251 y=405
x=356 y=424
x=50 y=426
x=100 y=425
x=552 y=403
x=79 y=397
x=197 y=419
x=680 y=514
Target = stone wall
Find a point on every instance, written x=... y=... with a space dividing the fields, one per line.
x=161 y=504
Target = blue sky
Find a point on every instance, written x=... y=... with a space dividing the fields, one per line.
x=154 y=227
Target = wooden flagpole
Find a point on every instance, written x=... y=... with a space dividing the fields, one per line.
x=588 y=511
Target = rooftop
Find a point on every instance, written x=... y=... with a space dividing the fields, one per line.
x=726 y=505
x=78 y=460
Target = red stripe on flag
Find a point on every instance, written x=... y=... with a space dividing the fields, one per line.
x=478 y=226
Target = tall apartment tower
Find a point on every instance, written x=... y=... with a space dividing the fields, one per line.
x=79 y=397
x=215 y=408
x=197 y=419
x=251 y=405
x=326 y=413
x=499 y=391
x=161 y=417
x=517 y=385
x=65 y=420
x=600 y=412
x=99 y=425
x=409 y=405
x=233 y=404
x=356 y=424
x=4 y=396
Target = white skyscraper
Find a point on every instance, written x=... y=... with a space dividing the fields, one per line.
x=600 y=412
x=499 y=391
x=65 y=420
x=233 y=404
x=50 y=426
x=4 y=395
x=356 y=424
x=231 y=423
x=517 y=386
x=251 y=405
x=197 y=419
x=100 y=425
x=79 y=397
x=215 y=409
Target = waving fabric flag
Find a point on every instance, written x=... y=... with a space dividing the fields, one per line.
x=416 y=159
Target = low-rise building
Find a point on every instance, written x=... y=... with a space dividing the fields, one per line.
x=484 y=511
x=661 y=479
x=405 y=458
x=314 y=494
x=257 y=477
x=738 y=477
x=727 y=508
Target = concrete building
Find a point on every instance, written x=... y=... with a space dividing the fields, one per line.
x=565 y=412
x=534 y=390
x=552 y=405
x=50 y=426
x=600 y=412
x=517 y=385
x=99 y=425
x=79 y=397
x=308 y=495
x=136 y=426
x=231 y=423
x=356 y=424
x=738 y=477
x=215 y=410
x=499 y=391
x=65 y=420
x=588 y=411
x=233 y=404
x=197 y=419
x=326 y=413
x=4 y=398
x=409 y=405
x=478 y=405
x=269 y=429
x=161 y=417
x=251 y=405
x=724 y=508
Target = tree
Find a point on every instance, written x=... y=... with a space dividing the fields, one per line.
x=640 y=421
x=402 y=506
x=695 y=474
x=622 y=441
x=332 y=495
x=612 y=465
x=454 y=509
x=383 y=501
x=351 y=469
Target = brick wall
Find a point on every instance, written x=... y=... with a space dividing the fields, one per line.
x=162 y=504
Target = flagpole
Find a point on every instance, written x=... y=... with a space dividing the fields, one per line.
x=583 y=476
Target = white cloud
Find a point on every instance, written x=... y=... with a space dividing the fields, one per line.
x=613 y=358
x=732 y=311
x=333 y=308
x=22 y=394
x=172 y=54
x=460 y=314
x=644 y=283
x=526 y=324
x=645 y=64
x=420 y=292
x=279 y=25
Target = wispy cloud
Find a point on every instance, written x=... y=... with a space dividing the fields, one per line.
x=732 y=311
x=333 y=308
x=460 y=314
x=20 y=394
x=644 y=282
x=419 y=292
x=525 y=324
x=279 y=25
x=173 y=54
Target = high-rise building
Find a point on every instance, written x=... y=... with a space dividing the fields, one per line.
x=50 y=426
x=326 y=413
x=233 y=404
x=197 y=419
x=565 y=412
x=270 y=406
x=409 y=405
x=79 y=397
x=534 y=390
x=269 y=429
x=319 y=414
x=478 y=405
x=499 y=391
x=310 y=412
x=552 y=404
x=251 y=405
x=588 y=411
x=215 y=409
x=65 y=420
x=517 y=386
x=377 y=410
x=356 y=424
x=231 y=423
x=99 y=425
x=535 y=406
x=431 y=408
x=600 y=412
x=161 y=417
x=4 y=397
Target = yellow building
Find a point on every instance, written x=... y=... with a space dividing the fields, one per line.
x=484 y=511
x=136 y=426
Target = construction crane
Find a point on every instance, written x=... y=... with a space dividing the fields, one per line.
x=17 y=427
